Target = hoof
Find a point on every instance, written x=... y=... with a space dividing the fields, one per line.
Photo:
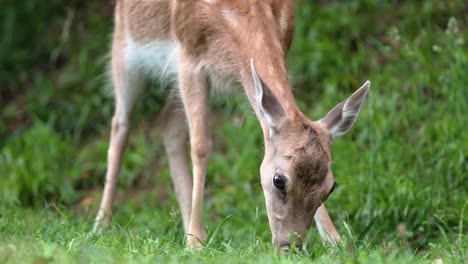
x=194 y=243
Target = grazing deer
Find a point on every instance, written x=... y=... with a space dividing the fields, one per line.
x=194 y=46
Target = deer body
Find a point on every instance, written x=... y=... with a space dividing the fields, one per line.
x=193 y=47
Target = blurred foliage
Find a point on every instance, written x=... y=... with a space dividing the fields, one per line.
x=402 y=170
x=53 y=66
x=38 y=164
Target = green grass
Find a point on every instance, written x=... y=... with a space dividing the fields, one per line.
x=59 y=236
x=402 y=169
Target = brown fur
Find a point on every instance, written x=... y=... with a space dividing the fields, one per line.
x=147 y=20
x=198 y=24
x=246 y=41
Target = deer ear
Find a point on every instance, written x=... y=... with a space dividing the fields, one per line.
x=341 y=118
x=268 y=105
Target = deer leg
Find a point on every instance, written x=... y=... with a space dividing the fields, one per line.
x=175 y=135
x=194 y=94
x=325 y=226
x=127 y=86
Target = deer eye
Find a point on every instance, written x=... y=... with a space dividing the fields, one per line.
x=335 y=184
x=279 y=181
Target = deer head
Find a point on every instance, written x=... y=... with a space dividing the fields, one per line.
x=296 y=174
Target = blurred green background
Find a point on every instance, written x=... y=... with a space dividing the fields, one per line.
x=402 y=170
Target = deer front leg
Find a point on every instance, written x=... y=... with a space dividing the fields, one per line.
x=325 y=226
x=194 y=93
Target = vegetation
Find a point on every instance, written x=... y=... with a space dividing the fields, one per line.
x=402 y=170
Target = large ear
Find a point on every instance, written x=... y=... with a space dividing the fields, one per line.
x=341 y=118
x=268 y=105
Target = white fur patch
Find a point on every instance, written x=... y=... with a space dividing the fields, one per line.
x=159 y=60
x=156 y=60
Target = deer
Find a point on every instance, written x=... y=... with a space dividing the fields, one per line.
x=194 y=48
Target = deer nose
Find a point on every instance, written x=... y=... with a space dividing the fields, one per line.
x=286 y=245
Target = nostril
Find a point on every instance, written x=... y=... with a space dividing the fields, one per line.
x=284 y=245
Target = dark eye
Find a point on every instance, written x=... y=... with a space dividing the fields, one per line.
x=335 y=184
x=279 y=181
